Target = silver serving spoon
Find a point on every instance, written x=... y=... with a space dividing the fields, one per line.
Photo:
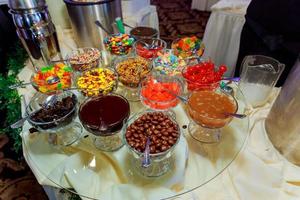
x=53 y=80
x=240 y=116
x=146 y=157
x=98 y=23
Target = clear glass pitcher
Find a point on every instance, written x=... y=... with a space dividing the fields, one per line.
x=259 y=76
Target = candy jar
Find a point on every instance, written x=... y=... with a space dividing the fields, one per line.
x=159 y=133
x=168 y=64
x=52 y=78
x=159 y=92
x=202 y=75
x=104 y=117
x=118 y=44
x=149 y=48
x=209 y=111
x=55 y=114
x=98 y=81
x=83 y=59
x=187 y=47
x=131 y=70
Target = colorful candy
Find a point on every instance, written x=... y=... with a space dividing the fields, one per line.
x=168 y=64
x=187 y=47
x=119 y=44
x=160 y=95
x=97 y=81
x=132 y=70
x=203 y=76
x=52 y=78
x=84 y=59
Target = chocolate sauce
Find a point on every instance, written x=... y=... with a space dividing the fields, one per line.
x=142 y=32
x=104 y=115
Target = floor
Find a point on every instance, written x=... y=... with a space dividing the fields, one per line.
x=176 y=20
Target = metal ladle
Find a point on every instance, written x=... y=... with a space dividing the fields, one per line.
x=52 y=80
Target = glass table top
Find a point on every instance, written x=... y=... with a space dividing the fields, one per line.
x=95 y=174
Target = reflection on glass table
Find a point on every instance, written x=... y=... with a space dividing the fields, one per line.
x=95 y=174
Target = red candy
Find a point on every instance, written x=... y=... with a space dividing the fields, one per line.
x=203 y=76
x=158 y=95
x=144 y=52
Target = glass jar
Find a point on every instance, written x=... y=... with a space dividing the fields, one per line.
x=83 y=59
x=131 y=70
x=160 y=161
x=104 y=117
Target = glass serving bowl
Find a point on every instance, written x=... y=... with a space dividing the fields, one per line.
x=148 y=48
x=168 y=64
x=143 y=32
x=187 y=47
x=208 y=111
x=55 y=114
x=52 y=78
x=119 y=44
x=98 y=81
x=202 y=75
x=83 y=59
x=131 y=70
x=161 y=148
x=104 y=117
x=158 y=92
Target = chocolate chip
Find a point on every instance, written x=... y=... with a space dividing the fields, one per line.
x=33 y=130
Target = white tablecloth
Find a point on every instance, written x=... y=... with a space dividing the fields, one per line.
x=223 y=32
x=259 y=172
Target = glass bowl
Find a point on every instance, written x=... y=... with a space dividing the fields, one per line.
x=51 y=113
x=168 y=64
x=104 y=117
x=148 y=48
x=119 y=44
x=187 y=47
x=209 y=112
x=143 y=32
x=52 y=78
x=83 y=59
x=158 y=92
x=98 y=81
x=55 y=114
x=202 y=75
x=131 y=70
x=163 y=140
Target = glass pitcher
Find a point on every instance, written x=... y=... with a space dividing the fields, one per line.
x=259 y=76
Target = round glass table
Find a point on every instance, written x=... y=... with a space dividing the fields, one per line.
x=94 y=174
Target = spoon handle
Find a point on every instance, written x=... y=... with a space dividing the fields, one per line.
x=18 y=85
x=234 y=79
x=146 y=157
x=18 y=123
x=240 y=116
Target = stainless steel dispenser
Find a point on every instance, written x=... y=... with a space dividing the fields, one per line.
x=283 y=122
x=84 y=13
x=35 y=30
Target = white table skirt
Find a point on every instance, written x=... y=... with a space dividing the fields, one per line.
x=222 y=38
x=259 y=171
